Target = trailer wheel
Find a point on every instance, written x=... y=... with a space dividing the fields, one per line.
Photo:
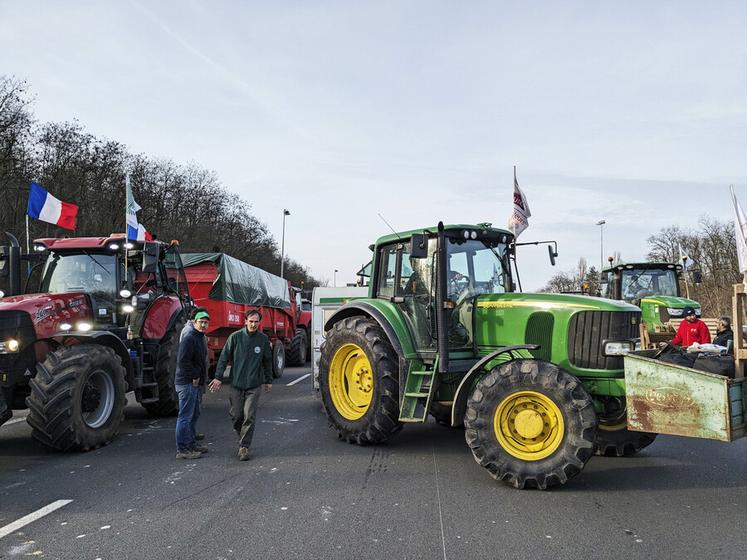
x=77 y=398
x=278 y=359
x=358 y=378
x=530 y=424
x=298 y=347
x=165 y=374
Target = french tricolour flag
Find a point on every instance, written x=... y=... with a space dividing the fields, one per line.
x=43 y=206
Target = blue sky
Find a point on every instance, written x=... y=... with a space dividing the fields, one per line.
x=633 y=112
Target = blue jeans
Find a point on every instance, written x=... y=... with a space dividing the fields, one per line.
x=189 y=411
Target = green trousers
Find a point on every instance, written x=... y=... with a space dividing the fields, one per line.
x=243 y=411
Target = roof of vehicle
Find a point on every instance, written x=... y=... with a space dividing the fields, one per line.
x=71 y=243
x=645 y=265
x=405 y=235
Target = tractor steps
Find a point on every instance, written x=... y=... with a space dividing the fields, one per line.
x=416 y=398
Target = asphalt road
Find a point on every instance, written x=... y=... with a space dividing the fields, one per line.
x=307 y=495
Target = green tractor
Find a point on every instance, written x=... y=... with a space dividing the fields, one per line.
x=655 y=288
x=537 y=380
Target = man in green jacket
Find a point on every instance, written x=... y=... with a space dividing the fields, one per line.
x=250 y=355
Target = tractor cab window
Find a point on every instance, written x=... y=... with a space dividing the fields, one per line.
x=176 y=279
x=639 y=283
x=475 y=267
x=607 y=285
x=410 y=283
x=88 y=272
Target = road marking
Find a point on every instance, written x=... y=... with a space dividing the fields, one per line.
x=31 y=517
x=438 y=494
x=299 y=379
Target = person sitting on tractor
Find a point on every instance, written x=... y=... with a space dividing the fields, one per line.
x=692 y=330
x=724 y=334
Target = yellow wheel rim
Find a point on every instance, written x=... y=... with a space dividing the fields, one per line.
x=351 y=381
x=528 y=425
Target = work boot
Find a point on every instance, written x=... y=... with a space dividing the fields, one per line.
x=243 y=453
x=188 y=454
x=199 y=437
x=201 y=448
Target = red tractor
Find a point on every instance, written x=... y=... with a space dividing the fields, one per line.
x=104 y=319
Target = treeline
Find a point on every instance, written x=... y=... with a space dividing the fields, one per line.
x=712 y=258
x=179 y=201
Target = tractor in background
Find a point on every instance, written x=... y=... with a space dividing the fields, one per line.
x=103 y=318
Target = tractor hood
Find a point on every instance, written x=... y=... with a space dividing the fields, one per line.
x=48 y=311
x=672 y=302
x=548 y=302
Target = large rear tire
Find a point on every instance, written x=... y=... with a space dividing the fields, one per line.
x=358 y=378
x=298 y=347
x=278 y=359
x=168 y=350
x=77 y=398
x=530 y=424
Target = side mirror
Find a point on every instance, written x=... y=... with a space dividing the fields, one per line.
x=150 y=257
x=697 y=276
x=419 y=246
x=552 y=253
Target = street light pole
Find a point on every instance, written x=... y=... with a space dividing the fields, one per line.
x=601 y=223
x=334 y=283
x=286 y=212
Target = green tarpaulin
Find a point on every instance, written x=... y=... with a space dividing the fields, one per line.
x=239 y=282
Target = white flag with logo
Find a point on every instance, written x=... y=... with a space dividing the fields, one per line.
x=740 y=231
x=519 y=220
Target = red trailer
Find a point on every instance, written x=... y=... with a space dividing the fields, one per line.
x=228 y=287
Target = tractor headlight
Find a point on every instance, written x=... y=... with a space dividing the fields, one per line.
x=65 y=326
x=84 y=327
x=674 y=312
x=124 y=293
x=618 y=348
x=127 y=308
x=2 y=294
x=10 y=346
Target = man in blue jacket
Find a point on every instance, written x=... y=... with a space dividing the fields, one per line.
x=250 y=355
x=191 y=376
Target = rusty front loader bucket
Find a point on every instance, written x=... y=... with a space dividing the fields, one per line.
x=664 y=398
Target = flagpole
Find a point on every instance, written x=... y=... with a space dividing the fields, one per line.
x=27 y=234
x=126 y=240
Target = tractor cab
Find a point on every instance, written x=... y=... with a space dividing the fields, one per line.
x=654 y=287
x=455 y=265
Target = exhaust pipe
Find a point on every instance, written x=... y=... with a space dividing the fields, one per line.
x=14 y=265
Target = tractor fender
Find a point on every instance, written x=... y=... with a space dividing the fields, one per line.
x=104 y=338
x=385 y=320
x=391 y=323
x=462 y=393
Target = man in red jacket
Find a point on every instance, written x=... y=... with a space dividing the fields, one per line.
x=691 y=330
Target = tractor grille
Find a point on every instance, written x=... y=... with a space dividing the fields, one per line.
x=587 y=331
x=539 y=331
x=16 y=324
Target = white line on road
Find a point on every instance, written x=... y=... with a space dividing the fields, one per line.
x=438 y=494
x=31 y=517
x=14 y=421
x=299 y=379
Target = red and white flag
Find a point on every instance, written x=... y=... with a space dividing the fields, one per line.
x=519 y=220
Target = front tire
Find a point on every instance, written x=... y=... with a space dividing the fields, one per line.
x=358 y=378
x=613 y=437
x=530 y=424
x=77 y=398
